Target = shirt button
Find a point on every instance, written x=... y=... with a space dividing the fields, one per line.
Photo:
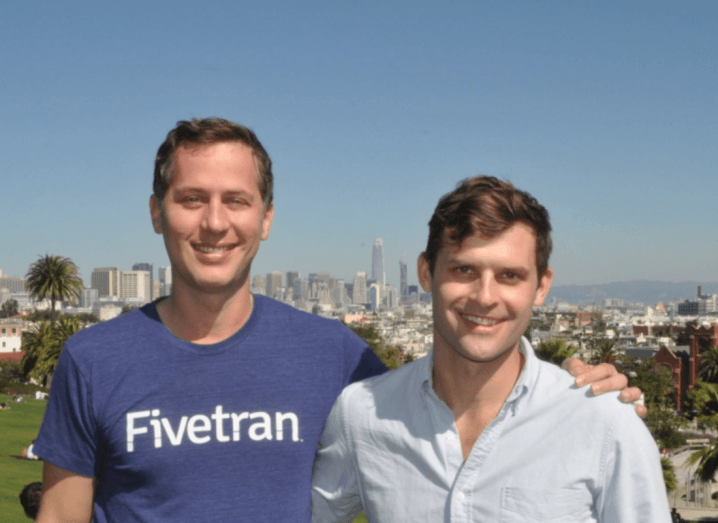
x=450 y=436
x=460 y=496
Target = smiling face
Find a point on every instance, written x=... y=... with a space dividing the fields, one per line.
x=212 y=217
x=483 y=292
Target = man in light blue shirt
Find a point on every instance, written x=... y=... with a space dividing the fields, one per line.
x=481 y=430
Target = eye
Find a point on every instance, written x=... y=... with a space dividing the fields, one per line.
x=191 y=201
x=512 y=277
x=463 y=270
x=237 y=203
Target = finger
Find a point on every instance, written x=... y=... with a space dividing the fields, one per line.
x=641 y=410
x=614 y=382
x=598 y=374
x=630 y=394
x=574 y=366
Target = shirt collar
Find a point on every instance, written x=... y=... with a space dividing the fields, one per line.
x=524 y=383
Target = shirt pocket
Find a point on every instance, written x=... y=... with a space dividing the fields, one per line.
x=554 y=505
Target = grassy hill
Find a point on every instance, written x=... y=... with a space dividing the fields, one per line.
x=18 y=427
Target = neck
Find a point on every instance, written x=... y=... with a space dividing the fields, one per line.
x=204 y=318
x=474 y=391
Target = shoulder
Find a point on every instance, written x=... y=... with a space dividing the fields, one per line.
x=285 y=315
x=103 y=339
x=278 y=321
x=386 y=390
x=555 y=389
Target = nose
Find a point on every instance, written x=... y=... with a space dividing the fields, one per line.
x=484 y=290
x=215 y=217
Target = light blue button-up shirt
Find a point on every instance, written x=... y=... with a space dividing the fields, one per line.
x=554 y=453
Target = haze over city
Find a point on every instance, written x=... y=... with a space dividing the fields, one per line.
x=606 y=112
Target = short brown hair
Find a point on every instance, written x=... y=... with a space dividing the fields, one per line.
x=207 y=131
x=487 y=206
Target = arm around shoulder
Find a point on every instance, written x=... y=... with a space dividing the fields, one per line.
x=66 y=496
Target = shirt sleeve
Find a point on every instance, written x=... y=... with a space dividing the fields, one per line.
x=67 y=434
x=335 y=485
x=634 y=490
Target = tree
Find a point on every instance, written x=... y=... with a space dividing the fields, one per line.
x=656 y=382
x=53 y=277
x=554 y=351
x=391 y=357
x=43 y=347
x=604 y=352
x=709 y=365
x=703 y=400
x=707 y=460
x=669 y=474
x=9 y=308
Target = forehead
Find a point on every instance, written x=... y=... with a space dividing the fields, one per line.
x=216 y=164
x=513 y=246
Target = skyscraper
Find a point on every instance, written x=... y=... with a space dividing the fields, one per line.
x=402 y=280
x=291 y=276
x=149 y=268
x=274 y=282
x=106 y=280
x=377 y=262
x=165 y=277
x=136 y=284
x=359 y=290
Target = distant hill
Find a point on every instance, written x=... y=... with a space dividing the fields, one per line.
x=639 y=291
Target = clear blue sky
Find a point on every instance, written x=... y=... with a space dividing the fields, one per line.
x=606 y=111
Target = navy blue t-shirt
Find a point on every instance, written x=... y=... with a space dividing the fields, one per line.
x=176 y=431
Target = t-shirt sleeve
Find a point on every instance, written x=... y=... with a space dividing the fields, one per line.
x=67 y=434
x=634 y=490
x=360 y=361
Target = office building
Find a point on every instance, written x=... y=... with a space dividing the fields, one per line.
x=88 y=297
x=377 y=262
x=274 y=283
x=136 y=285
x=106 y=280
x=403 y=290
x=359 y=295
x=149 y=268
x=13 y=285
x=164 y=275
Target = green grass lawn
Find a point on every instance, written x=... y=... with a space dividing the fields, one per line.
x=18 y=427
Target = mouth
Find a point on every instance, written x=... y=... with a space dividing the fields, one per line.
x=480 y=320
x=216 y=249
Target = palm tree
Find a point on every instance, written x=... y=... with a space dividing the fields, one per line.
x=707 y=460
x=604 y=352
x=669 y=474
x=554 y=351
x=43 y=347
x=53 y=277
x=704 y=401
x=709 y=365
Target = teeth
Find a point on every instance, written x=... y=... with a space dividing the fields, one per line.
x=479 y=320
x=210 y=250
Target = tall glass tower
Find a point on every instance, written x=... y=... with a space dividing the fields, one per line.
x=377 y=262
x=402 y=280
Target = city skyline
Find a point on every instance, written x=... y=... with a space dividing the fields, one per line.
x=605 y=112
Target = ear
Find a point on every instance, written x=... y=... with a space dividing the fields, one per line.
x=422 y=270
x=544 y=286
x=156 y=214
x=267 y=221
